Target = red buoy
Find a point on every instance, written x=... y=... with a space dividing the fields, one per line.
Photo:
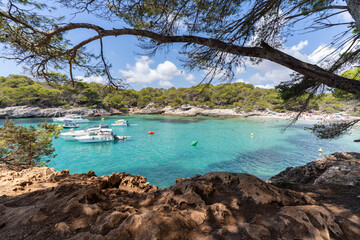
x=151 y=132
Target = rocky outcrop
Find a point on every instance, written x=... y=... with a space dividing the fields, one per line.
x=184 y=110
x=149 y=109
x=28 y=112
x=41 y=203
x=190 y=111
x=337 y=168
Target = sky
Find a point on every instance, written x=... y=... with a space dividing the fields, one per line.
x=165 y=70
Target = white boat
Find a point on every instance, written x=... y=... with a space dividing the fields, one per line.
x=70 y=124
x=121 y=137
x=71 y=117
x=99 y=135
x=71 y=135
x=121 y=122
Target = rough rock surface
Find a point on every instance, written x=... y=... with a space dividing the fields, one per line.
x=337 y=168
x=149 y=109
x=28 y=112
x=41 y=203
x=184 y=110
x=190 y=111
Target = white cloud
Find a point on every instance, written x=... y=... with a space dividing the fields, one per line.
x=92 y=78
x=270 y=74
x=141 y=72
x=267 y=86
x=264 y=66
x=165 y=83
x=190 y=78
x=240 y=69
x=272 y=77
x=167 y=70
x=300 y=45
x=240 y=80
x=324 y=51
x=320 y=53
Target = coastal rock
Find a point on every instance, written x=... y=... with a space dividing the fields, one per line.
x=126 y=182
x=91 y=173
x=337 y=168
x=197 y=111
x=121 y=206
x=150 y=109
x=62 y=227
x=29 y=112
x=184 y=110
x=188 y=110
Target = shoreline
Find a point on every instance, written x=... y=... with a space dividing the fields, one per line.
x=182 y=111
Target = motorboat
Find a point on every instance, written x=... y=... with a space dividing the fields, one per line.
x=121 y=137
x=70 y=124
x=99 y=135
x=121 y=122
x=71 y=135
x=71 y=117
x=98 y=126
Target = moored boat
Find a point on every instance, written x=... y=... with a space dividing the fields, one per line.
x=121 y=122
x=99 y=135
x=70 y=124
x=71 y=135
x=71 y=117
x=121 y=137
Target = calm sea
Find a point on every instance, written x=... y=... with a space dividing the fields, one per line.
x=224 y=144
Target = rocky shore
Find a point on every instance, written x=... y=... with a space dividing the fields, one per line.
x=192 y=111
x=185 y=110
x=34 y=112
x=317 y=201
x=179 y=111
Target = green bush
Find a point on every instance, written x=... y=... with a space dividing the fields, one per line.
x=22 y=147
x=16 y=90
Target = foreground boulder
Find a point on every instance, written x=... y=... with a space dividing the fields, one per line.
x=41 y=203
x=337 y=168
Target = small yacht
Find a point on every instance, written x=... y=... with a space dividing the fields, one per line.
x=71 y=135
x=71 y=117
x=99 y=135
x=121 y=122
x=70 y=124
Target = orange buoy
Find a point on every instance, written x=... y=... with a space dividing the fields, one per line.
x=151 y=132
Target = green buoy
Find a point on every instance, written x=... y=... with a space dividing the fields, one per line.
x=194 y=143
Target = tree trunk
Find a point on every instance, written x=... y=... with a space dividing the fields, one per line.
x=354 y=10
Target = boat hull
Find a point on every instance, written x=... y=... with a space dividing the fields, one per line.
x=71 y=126
x=94 y=139
x=70 y=119
x=72 y=136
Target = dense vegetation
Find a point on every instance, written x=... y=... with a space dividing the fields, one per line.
x=17 y=90
x=22 y=147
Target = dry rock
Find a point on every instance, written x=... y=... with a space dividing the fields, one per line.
x=62 y=227
x=213 y=206
x=28 y=112
x=337 y=168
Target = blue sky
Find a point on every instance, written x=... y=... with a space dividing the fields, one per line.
x=165 y=70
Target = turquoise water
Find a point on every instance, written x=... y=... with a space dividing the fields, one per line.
x=225 y=144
